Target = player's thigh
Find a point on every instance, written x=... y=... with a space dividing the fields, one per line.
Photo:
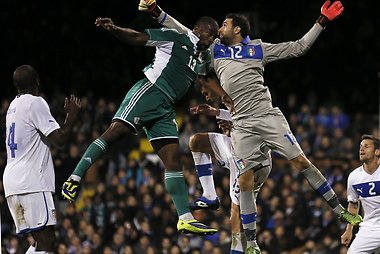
x=32 y=211
x=249 y=147
x=163 y=127
x=221 y=146
x=275 y=131
x=367 y=241
x=200 y=142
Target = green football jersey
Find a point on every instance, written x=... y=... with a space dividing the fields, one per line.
x=176 y=63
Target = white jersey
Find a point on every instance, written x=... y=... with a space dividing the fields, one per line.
x=366 y=188
x=29 y=163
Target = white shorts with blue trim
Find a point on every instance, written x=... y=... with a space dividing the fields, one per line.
x=32 y=211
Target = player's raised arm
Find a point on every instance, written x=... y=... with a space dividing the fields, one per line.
x=329 y=12
x=72 y=107
x=126 y=35
x=151 y=7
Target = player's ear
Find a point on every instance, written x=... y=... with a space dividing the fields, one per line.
x=237 y=29
x=197 y=30
x=377 y=152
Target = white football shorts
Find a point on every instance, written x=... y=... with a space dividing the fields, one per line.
x=32 y=211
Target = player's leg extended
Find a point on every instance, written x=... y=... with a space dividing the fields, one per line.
x=319 y=184
x=276 y=132
x=133 y=112
x=129 y=118
x=124 y=122
x=239 y=241
x=202 y=152
x=168 y=151
x=248 y=208
x=99 y=146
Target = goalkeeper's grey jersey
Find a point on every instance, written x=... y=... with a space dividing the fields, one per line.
x=240 y=69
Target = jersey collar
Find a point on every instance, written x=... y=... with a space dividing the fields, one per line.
x=246 y=40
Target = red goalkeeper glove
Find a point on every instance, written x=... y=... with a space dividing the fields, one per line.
x=330 y=12
x=151 y=7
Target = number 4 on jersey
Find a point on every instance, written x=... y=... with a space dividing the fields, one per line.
x=11 y=140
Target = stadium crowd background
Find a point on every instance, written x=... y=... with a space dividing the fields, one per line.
x=330 y=97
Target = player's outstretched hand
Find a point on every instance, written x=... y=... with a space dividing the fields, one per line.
x=106 y=23
x=72 y=105
x=70 y=189
x=332 y=11
x=204 y=109
x=150 y=6
x=147 y=5
x=225 y=126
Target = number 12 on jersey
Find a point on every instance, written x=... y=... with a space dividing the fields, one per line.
x=11 y=140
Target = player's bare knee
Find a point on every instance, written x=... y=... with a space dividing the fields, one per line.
x=300 y=162
x=194 y=142
x=116 y=131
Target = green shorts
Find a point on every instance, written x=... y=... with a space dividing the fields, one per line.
x=145 y=106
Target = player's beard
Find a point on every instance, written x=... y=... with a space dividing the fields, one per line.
x=225 y=40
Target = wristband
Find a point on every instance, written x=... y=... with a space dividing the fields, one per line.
x=322 y=20
x=156 y=11
x=224 y=115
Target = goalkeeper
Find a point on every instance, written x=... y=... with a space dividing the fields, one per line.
x=258 y=126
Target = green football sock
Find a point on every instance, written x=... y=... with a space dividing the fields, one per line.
x=177 y=187
x=94 y=151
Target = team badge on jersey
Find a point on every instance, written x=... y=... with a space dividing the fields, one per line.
x=240 y=164
x=251 y=51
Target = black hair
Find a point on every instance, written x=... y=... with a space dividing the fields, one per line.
x=241 y=21
x=25 y=77
x=375 y=140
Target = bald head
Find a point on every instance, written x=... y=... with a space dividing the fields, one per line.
x=25 y=78
x=207 y=22
x=206 y=28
